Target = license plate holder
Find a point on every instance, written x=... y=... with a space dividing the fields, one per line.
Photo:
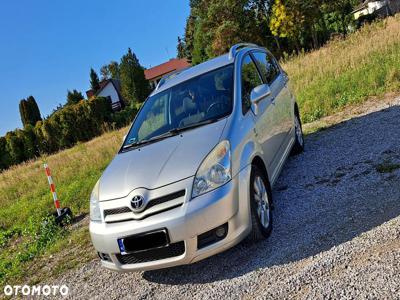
x=144 y=241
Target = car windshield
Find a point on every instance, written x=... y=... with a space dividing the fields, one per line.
x=195 y=102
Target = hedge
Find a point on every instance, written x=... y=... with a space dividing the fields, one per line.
x=74 y=123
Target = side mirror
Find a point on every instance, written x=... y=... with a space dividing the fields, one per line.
x=259 y=93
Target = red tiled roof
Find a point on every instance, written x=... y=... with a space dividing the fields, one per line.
x=174 y=64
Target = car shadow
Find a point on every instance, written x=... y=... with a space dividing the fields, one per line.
x=334 y=191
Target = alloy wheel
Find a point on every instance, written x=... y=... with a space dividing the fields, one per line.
x=262 y=202
x=299 y=131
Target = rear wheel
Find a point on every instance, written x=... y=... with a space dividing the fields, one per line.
x=299 y=138
x=261 y=205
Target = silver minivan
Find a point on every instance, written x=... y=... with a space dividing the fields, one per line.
x=194 y=174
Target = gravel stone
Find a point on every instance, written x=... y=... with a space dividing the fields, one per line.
x=336 y=232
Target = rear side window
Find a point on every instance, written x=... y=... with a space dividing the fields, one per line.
x=268 y=66
x=250 y=80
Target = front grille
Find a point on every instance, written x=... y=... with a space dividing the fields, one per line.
x=172 y=250
x=166 y=198
x=116 y=211
x=154 y=202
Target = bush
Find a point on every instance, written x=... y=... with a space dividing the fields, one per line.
x=124 y=117
x=74 y=123
x=15 y=147
x=5 y=158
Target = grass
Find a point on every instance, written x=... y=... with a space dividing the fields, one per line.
x=344 y=72
x=348 y=71
x=25 y=202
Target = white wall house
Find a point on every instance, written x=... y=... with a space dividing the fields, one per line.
x=110 y=91
x=110 y=88
x=378 y=8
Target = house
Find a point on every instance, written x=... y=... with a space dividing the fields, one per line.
x=370 y=9
x=109 y=88
x=154 y=75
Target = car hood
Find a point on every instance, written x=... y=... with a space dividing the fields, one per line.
x=159 y=164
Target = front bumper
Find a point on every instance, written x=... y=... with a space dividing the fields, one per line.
x=227 y=204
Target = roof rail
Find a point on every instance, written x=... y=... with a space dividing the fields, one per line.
x=235 y=48
x=165 y=78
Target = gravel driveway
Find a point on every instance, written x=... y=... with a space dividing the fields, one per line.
x=336 y=229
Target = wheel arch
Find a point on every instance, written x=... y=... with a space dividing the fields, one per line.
x=296 y=109
x=259 y=163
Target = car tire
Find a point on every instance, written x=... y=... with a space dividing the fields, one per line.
x=259 y=185
x=298 y=146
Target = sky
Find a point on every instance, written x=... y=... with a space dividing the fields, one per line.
x=48 y=46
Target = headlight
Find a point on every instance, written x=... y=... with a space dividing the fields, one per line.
x=214 y=171
x=95 y=214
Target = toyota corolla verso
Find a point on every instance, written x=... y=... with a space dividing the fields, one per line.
x=194 y=174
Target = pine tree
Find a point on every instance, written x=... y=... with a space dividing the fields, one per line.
x=180 y=48
x=29 y=111
x=189 y=37
x=34 y=112
x=134 y=86
x=23 y=111
x=94 y=80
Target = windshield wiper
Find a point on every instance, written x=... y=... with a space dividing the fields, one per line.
x=151 y=140
x=169 y=133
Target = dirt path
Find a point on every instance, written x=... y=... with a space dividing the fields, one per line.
x=336 y=232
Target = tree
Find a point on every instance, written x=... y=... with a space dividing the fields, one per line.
x=181 y=48
x=338 y=13
x=189 y=37
x=34 y=111
x=29 y=141
x=94 y=80
x=105 y=72
x=218 y=24
x=280 y=25
x=110 y=71
x=5 y=158
x=15 y=146
x=29 y=111
x=283 y=22
x=74 y=97
x=134 y=86
x=113 y=68
x=23 y=111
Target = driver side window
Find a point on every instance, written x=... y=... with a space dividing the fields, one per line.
x=250 y=80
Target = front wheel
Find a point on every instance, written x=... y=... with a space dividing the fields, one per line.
x=261 y=205
x=299 y=138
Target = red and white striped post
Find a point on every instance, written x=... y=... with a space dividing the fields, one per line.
x=53 y=189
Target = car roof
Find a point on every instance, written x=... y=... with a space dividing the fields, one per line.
x=186 y=74
x=207 y=66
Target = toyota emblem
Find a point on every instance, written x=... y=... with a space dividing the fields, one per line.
x=137 y=202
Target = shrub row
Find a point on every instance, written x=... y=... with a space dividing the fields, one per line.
x=64 y=128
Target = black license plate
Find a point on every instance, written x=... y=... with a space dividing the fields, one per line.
x=144 y=241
